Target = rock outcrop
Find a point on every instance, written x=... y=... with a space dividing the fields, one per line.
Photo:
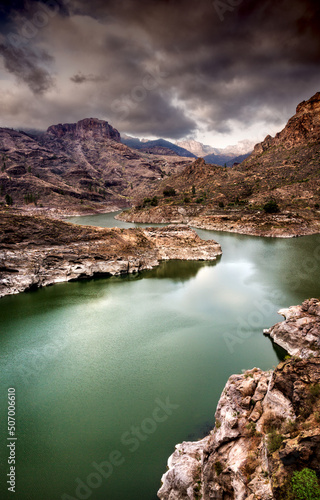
x=84 y=129
x=299 y=334
x=303 y=127
x=267 y=426
x=36 y=252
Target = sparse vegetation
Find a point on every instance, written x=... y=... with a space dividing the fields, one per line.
x=31 y=198
x=218 y=467
x=251 y=428
x=169 y=191
x=8 y=199
x=275 y=440
x=153 y=202
x=314 y=390
x=271 y=207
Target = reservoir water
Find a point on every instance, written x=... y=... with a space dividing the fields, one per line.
x=110 y=374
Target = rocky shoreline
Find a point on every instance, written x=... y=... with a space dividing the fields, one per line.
x=248 y=222
x=267 y=425
x=37 y=251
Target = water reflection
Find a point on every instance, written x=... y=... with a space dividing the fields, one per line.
x=178 y=270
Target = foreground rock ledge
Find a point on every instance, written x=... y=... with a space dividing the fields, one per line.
x=36 y=252
x=267 y=426
x=299 y=334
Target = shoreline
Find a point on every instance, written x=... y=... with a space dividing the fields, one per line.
x=280 y=225
x=43 y=251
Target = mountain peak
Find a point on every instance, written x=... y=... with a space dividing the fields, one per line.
x=311 y=105
x=302 y=128
x=83 y=129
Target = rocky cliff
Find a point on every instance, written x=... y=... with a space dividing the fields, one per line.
x=299 y=334
x=85 y=129
x=302 y=128
x=267 y=426
x=36 y=252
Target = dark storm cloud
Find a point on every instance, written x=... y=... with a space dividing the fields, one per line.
x=149 y=113
x=28 y=67
x=262 y=54
x=80 y=78
x=219 y=61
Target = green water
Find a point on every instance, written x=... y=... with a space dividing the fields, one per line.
x=94 y=362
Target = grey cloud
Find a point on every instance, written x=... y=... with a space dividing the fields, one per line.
x=81 y=78
x=154 y=115
x=28 y=67
x=255 y=66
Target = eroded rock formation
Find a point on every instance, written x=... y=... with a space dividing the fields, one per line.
x=300 y=333
x=36 y=252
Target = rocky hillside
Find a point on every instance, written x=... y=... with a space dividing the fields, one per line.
x=77 y=167
x=281 y=176
x=37 y=251
x=267 y=429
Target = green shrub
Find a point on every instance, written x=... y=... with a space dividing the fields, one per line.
x=221 y=204
x=271 y=207
x=314 y=390
x=305 y=485
x=148 y=201
x=251 y=428
x=218 y=467
x=31 y=198
x=274 y=441
x=8 y=199
x=154 y=201
x=169 y=191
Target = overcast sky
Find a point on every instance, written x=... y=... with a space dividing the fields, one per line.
x=216 y=70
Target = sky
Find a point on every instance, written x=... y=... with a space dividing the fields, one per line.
x=219 y=71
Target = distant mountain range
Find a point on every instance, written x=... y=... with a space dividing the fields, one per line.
x=219 y=156
x=158 y=146
x=191 y=148
x=197 y=148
